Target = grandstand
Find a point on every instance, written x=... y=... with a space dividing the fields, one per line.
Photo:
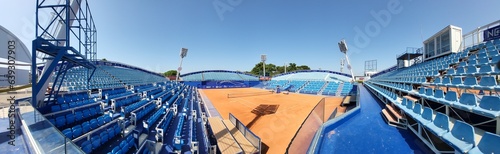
x=442 y=98
x=316 y=82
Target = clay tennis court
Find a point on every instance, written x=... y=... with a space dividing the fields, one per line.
x=275 y=118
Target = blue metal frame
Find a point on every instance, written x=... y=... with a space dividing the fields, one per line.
x=79 y=26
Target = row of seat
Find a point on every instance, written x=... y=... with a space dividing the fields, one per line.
x=460 y=137
x=97 y=140
x=153 y=118
x=125 y=100
x=488 y=105
x=134 y=106
x=86 y=126
x=77 y=116
x=124 y=146
x=73 y=104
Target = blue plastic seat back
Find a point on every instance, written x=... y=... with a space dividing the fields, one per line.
x=468 y=99
x=68 y=133
x=495 y=59
x=488 y=81
x=64 y=106
x=70 y=118
x=489 y=143
x=491 y=103
x=85 y=127
x=104 y=137
x=460 y=70
x=60 y=121
x=437 y=81
x=100 y=121
x=96 y=142
x=86 y=147
x=417 y=109
x=456 y=80
x=485 y=69
x=484 y=60
x=78 y=116
x=470 y=81
x=471 y=69
x=429 y=92
x=77 y=131
x=123 y=144
x=111 y=133
x=55 y=108
x=427 y=114
x=93 y=124
x=86 y=113
x=421 y=90
x=451 y=96
x=409 y=104
x=404 y=102
x=446 y=80
x=451 y=71
x=439 y=94
x=463 y=131
x=441 y=121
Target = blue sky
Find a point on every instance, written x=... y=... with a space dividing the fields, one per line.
x=149 y=34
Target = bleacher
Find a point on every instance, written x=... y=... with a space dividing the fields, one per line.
x=450 y=102
x=121 y=102
x=218 y=75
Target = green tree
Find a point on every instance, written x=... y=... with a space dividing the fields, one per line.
x=291 y=67
x=104 y=59
x=170 y=73
x=303 y=67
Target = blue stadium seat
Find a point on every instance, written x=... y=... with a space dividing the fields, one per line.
x=93 y=124
x=64 y=106
x=115 y=150
x=489 y=106
x=421 y=91
x=72 y=104
x=446 y=81
x=484 y=61
x=487 y=144
x=467 y=102
x=100 y=121
x=60 y=121
x=460 y=71
x=92 y=111
x=85 y=127
x=86 y=147
x=437 y=81
x=107 y=118
x=456 y=81
x=77 y=131
x=429 y=93
x=117 y=130
x=487 y=83
x=96 y=142
x=439 y=125
x=494 y=60
x=60 y=100
x=86 y=114
x=68 y=133
x=426 y=117
x=409 y=106
x=450 y=98
x=461 y=137
x=417 y=111
x=438 y=95
x=55 y=108
x=130 y=142
x=485 y=70
x=469 y=82
x=78 y=116
x=70 y=118
x=104 y=137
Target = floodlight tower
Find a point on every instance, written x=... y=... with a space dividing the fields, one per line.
x=343 y=49
x=263 y=58
x=183 y=54
x=342 y=63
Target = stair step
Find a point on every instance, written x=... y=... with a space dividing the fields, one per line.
x=394 y=112
x=388 y=116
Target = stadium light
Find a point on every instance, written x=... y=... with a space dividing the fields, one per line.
x=263 y=58
x=343 y=49
x=183 y=54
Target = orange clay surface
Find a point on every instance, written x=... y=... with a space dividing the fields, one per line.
x=276 y=128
